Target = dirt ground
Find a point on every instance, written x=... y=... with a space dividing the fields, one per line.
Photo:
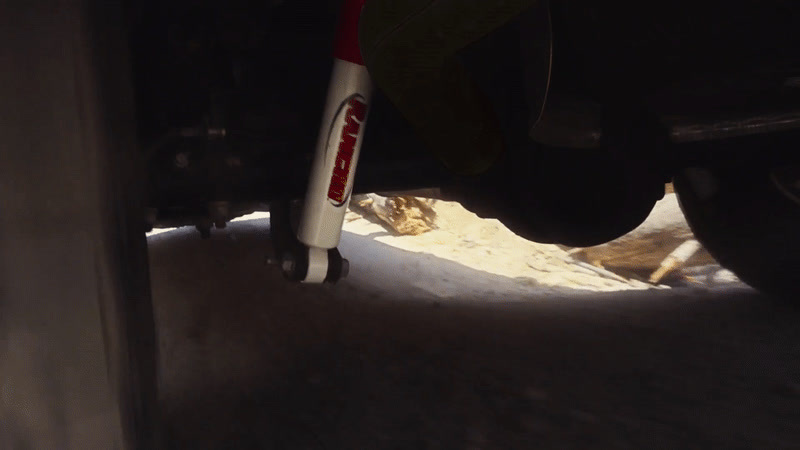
x=415 y=350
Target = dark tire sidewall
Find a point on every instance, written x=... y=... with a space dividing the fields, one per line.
x=747 y=225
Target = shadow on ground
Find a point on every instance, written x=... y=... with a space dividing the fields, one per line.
x=383 y=361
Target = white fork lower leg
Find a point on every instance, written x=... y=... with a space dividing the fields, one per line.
x=338 y=147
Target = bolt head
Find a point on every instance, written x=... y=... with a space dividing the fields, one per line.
x=182 y=160
x=217 y=132
x=288 y=263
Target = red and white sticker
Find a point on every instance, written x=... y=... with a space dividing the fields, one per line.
x=351 y=115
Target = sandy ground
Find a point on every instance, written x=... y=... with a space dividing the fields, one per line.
x=415 y=350
x=488 y=246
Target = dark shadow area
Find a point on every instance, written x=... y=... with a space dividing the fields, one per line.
x=250 y=361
